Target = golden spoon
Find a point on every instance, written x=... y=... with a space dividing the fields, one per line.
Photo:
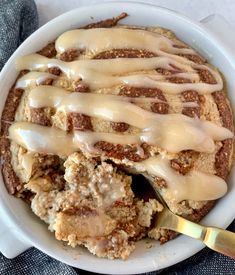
x=220 y=240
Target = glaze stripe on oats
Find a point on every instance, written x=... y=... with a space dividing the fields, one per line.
x=108 y=73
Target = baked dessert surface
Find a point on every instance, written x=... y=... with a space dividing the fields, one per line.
x=80 y=184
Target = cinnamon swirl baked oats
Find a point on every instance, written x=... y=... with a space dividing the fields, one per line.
x=103 y=103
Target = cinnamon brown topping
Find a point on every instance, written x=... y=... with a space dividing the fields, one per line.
x=49 y=50
x=180 y=46
x=184 y=163
x=157 y=107
x=124 y=53
x=179 y=167
x=191 y=96
x=108 y=23
x=195 y=58
x=160 y=107
x=224 y=109
x=206 y=77
x=4 y=129
x=141 y=91
x=54 y=70
x=222 y=159
x=39 y=116
x=120 y=151
x=80 y=87
x=191 y=111
x=11 y=180
x=11 y=104
x=119 y=126
x=70 y=55
x=80 y=122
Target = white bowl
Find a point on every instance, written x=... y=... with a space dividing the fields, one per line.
x=21 y=229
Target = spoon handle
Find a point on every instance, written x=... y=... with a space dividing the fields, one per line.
x=220 y=240
x=217 y=239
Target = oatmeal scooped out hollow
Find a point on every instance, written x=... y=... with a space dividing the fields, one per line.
x=86 y=114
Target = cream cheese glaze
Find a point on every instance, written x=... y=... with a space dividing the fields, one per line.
x=117 y=38
x=107 y=73
x=172 y=132
x=189 y=186
x=33 y=79
x=43 y=139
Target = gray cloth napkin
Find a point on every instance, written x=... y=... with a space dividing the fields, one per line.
x=18 y=19
x=34 y=262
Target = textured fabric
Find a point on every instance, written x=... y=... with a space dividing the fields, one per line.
x=34 y=262
x=18 y=19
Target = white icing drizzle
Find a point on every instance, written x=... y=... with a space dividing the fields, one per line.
x=52 y=96
x=33 y=79
x=195 y=185
x=107 y=73
x=173 y=132
x=103 y=39
x=43 y=139
x=109 y=66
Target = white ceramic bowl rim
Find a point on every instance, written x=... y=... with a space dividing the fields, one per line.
x=148 y=261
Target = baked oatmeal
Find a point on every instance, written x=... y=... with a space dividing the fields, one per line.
x=100 y=105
